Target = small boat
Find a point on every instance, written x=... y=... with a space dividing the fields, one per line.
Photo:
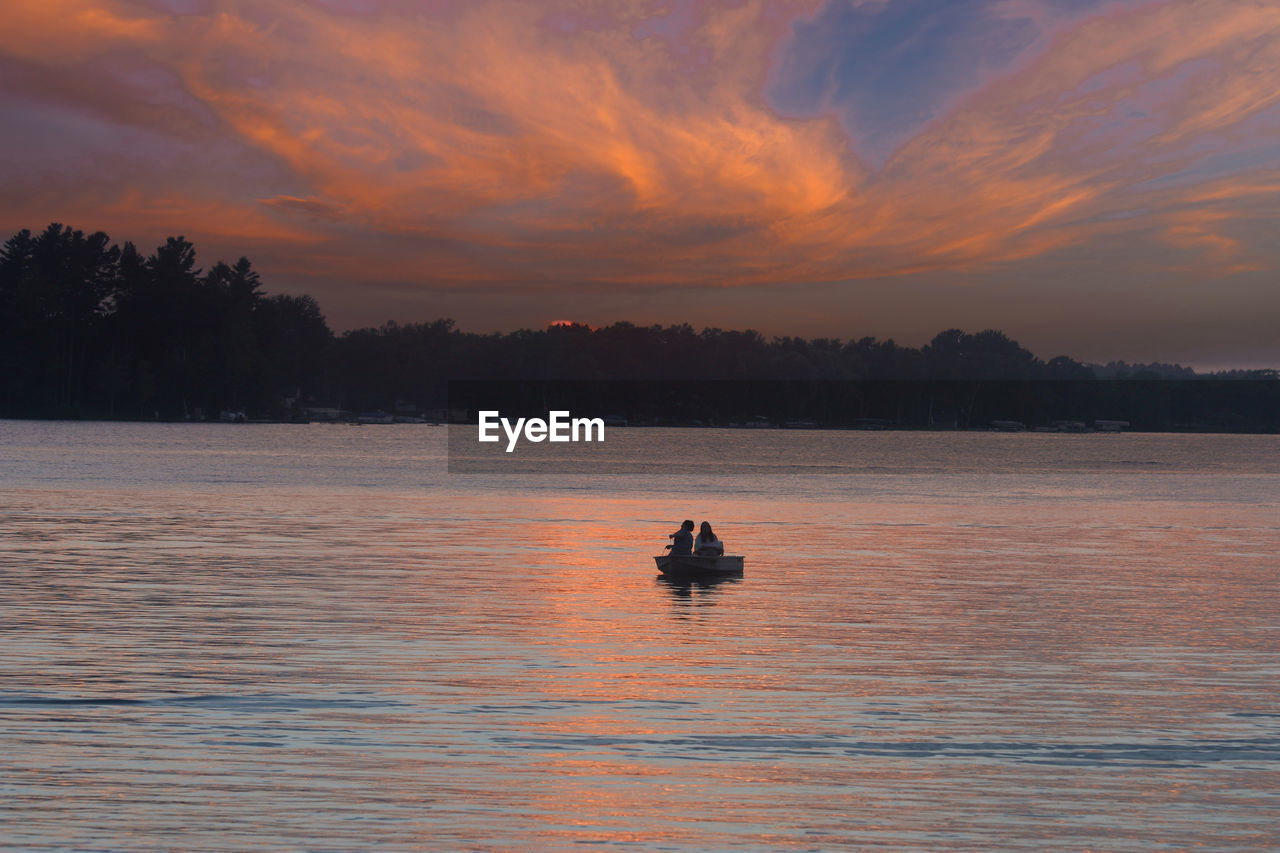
x=691 y=566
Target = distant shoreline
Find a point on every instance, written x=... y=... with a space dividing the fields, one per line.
x=1189 y=429
x=89 y=329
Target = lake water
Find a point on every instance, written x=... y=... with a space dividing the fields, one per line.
x=276 y=637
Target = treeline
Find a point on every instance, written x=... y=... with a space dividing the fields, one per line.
x=91 y=329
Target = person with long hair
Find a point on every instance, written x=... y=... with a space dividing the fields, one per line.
x=708 y=544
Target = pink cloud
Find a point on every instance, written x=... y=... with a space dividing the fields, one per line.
x=508 y=142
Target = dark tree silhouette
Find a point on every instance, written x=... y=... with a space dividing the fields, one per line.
x=90 y=329
x=53 y=293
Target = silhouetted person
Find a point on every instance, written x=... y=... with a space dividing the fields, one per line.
x=707 y=543
x=683 y=544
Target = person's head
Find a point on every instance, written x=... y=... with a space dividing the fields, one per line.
x=688 y=525
x=705 y=531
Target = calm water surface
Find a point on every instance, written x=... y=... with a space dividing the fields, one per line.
x=315 y=638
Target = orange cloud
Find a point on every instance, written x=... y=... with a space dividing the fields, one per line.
x=492 y=142
x=55 y=31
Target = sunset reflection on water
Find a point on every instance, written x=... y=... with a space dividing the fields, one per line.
x=1067 y=656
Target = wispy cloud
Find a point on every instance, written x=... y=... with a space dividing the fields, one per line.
x=628 y=143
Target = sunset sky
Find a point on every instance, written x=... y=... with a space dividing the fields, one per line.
x=1097 y=179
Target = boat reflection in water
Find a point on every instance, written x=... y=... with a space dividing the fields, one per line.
x=697 y=591
x=683 y=574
